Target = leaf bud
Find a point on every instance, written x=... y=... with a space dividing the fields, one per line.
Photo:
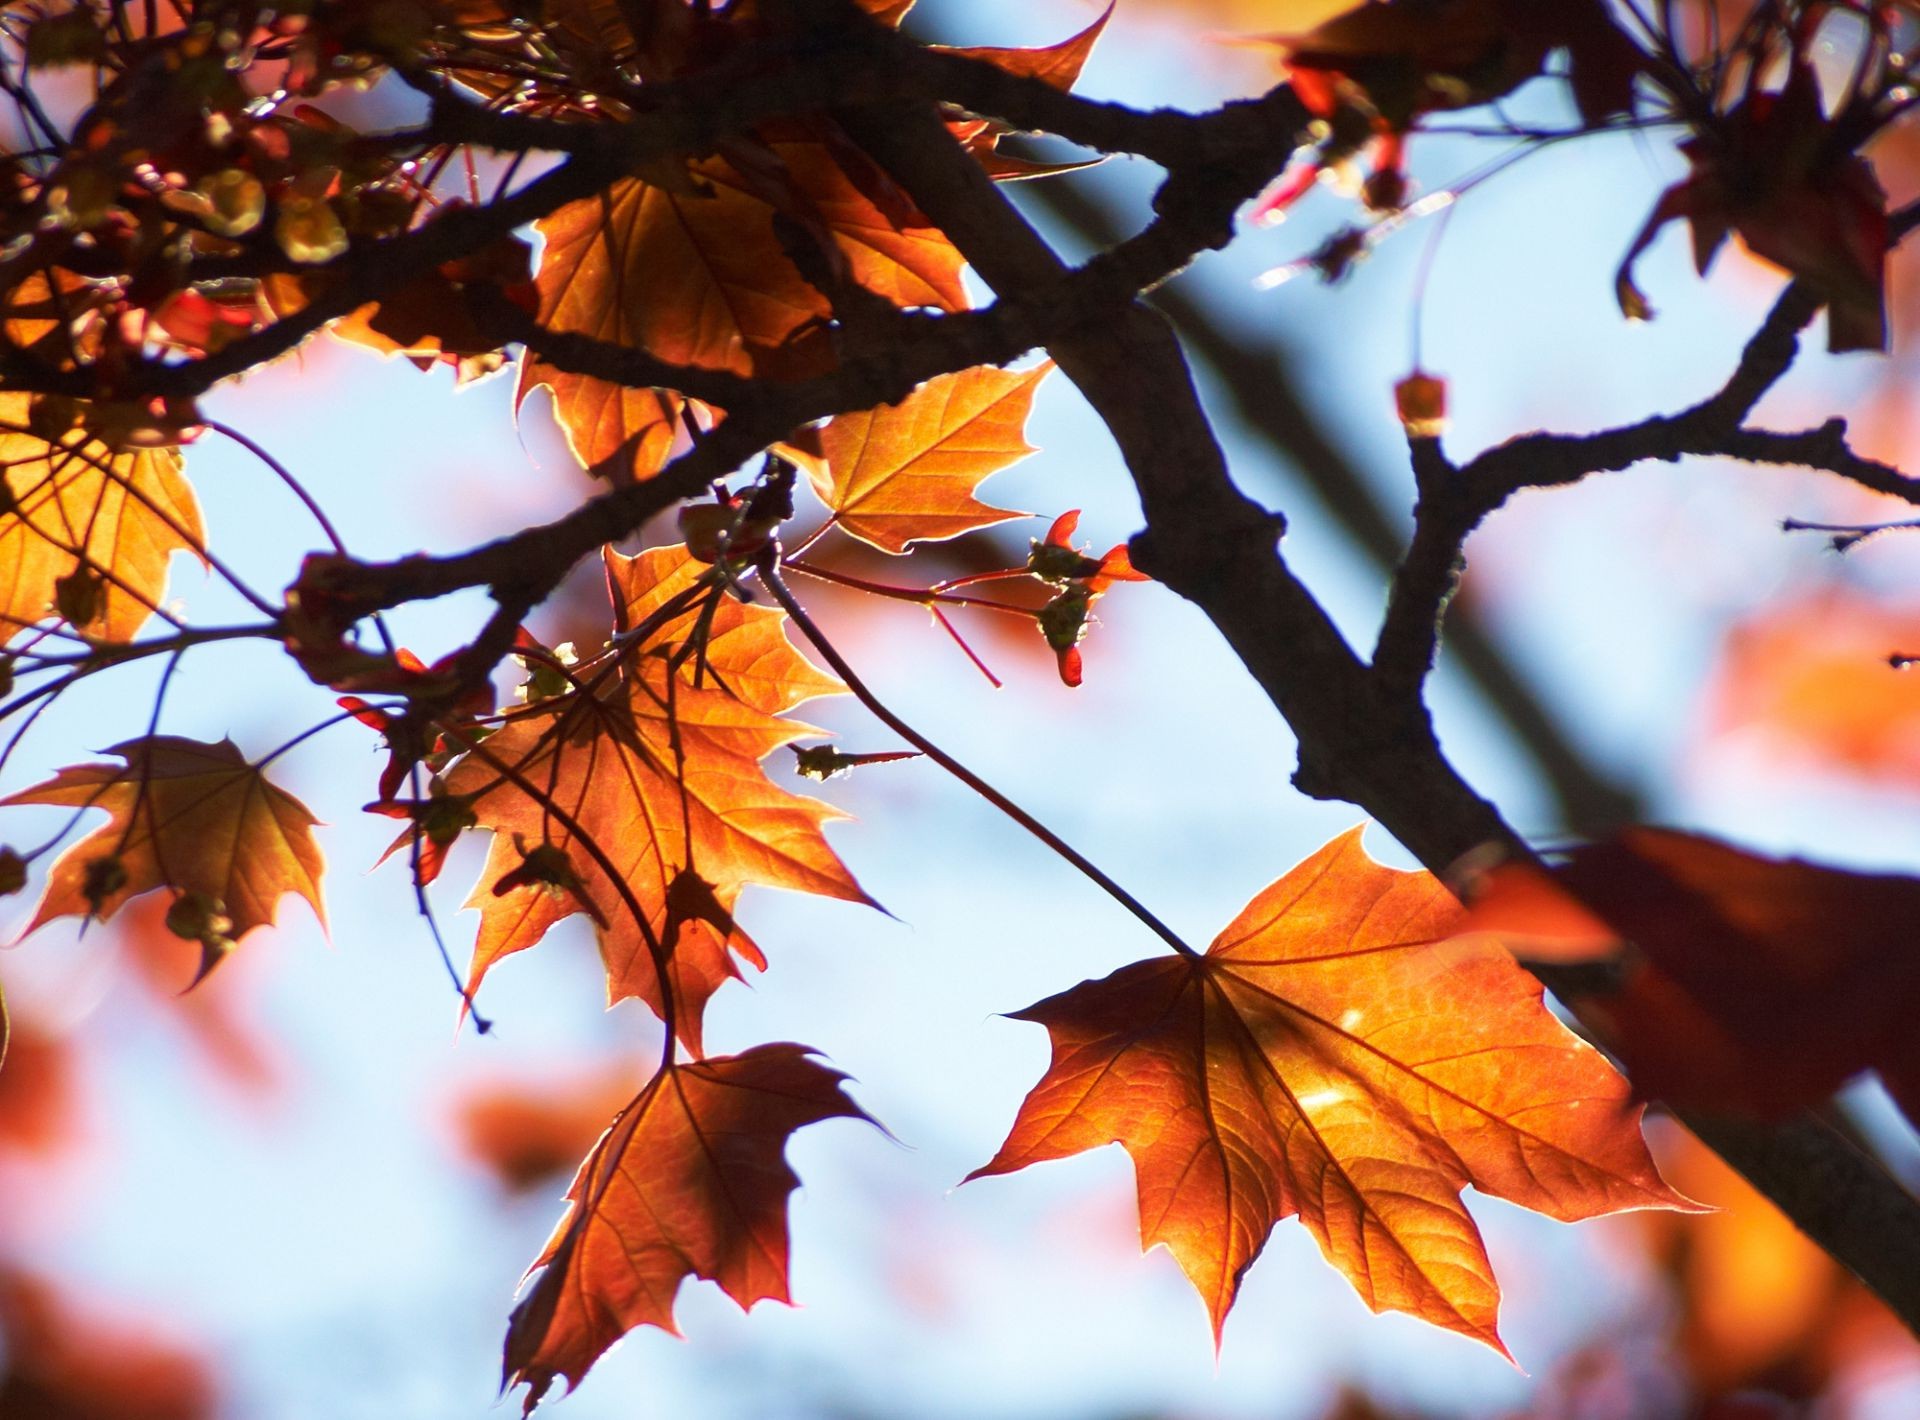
x=819 y=762
x=447 y=816
x=101 y=880
x=83 y=199
x=545 y=681
x=78 y=596
x=1063 y=621
x=1059 y=564
x=1422 y=402
x=236 y=202
x=199 y=917
x=1385 y=190
x=309 y=230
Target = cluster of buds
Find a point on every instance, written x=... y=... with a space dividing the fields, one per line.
x=1079 y=581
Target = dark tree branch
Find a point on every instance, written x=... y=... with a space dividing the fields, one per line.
x=1257 y=374
x=1455 y=500
x=1361 y=738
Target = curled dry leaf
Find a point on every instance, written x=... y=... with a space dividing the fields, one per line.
x=1754 y=985
x=907 y=472
x=661 y=770
x=193 y=817
x=691 y=1180
x=76 y=504
x=1334 y=1055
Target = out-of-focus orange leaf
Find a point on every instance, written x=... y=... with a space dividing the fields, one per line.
x=1421 y=400
x=1334 y=1055
x=1812 y=680
x=690 y=1180
x=907 y=472
x=214 y=1013
x=77 y=504
x=1754 y=985
x=186 y=815
x=691 y=811
x=1755 y=1293
x=63 y=1362
x=38 y=1092
x=524 y=1133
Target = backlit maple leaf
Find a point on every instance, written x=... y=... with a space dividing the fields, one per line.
x=660 y=769
x=693 y=271
x=77 y=504
x=186 y=815
x=691 y=1180
x=1056 y=64
x=907 y=472
x=1334 y=1056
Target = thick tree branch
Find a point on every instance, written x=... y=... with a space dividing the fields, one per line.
x=1360 y=740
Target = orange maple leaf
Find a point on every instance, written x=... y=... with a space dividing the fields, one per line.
x=77 y=505
x=660 y=769
x=907 y=472
x=193 y=817
x=1334 y=1055
x=1056 y=64
x=1753 y=985
x=690 y=1180
x=694 y=272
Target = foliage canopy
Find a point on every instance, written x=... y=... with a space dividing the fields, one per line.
x=728 y=240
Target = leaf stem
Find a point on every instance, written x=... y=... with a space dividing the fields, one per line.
x=770 y=577
x=919 y=596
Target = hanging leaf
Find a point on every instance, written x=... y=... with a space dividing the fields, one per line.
x=192 y=817
x=690 y=1181
x=660 y=769
x=74 y=505
x=1334 y=1055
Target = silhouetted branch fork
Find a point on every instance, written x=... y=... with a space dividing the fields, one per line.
x=1455 y=499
